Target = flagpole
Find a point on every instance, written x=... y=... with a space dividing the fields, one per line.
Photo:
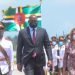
x=40 y=2
x=40 y=6
x=63 y=34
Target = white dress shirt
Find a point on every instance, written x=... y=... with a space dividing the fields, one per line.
x=31 y=31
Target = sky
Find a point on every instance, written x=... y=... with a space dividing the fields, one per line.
x=58 y=16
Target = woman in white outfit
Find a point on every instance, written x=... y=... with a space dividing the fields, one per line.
x=6 y=50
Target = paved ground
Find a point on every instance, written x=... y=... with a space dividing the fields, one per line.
x=16 y=72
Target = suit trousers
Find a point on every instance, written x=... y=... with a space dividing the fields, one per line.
x=33 y=69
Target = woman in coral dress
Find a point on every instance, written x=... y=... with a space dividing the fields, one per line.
x=69 y=57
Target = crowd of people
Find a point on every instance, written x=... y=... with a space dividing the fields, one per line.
x=30 y=54
x=58 y=50
x=63 y=52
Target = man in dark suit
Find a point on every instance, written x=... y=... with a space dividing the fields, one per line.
x=30 y=53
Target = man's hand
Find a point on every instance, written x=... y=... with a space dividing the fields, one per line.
x=49 y=63
x=19 y=67
x=61 y=58
x=34 y=55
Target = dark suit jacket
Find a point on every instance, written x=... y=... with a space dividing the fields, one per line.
x=25 y=46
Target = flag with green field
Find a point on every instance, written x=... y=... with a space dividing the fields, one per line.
x=13 y=15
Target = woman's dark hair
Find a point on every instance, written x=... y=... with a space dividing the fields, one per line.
x=1 y=23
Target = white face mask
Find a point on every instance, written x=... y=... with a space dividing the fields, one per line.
x=68 y=40
x=73 y=37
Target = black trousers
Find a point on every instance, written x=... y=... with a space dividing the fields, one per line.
x=33 y=69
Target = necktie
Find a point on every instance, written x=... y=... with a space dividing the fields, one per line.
x=34 y=38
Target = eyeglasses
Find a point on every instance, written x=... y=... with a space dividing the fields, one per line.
x=1 y=28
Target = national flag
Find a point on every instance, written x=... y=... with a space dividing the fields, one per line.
x=13 y=15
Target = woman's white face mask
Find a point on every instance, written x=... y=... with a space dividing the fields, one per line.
x=68 y=40
x=74 y=37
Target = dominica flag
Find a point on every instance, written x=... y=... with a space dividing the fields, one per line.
x=17 y=18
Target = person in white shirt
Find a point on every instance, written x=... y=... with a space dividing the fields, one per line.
x=7 y=46
x=61 y=51
x=54 y=48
